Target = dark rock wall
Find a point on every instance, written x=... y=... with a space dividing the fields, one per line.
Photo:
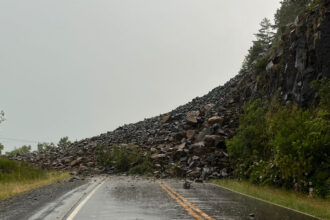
x=302 y=56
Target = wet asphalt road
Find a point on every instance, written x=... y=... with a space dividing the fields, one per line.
x=131 y=198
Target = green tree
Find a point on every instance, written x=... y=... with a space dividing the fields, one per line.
x=22 y=150
x=261 y=45
x=265 y=34
x=64 y=142
x=2 y=116
x=250 y=142
x=288 y=11
x=45 y=146
x=1 y=148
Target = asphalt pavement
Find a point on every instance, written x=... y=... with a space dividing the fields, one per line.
x=135 y=198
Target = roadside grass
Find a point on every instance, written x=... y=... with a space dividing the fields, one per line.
x=315 y=206
x=17 y=177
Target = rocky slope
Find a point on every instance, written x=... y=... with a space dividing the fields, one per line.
x=190 y=140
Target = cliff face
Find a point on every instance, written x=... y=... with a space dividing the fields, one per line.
x=303 y=55
x=193 y=136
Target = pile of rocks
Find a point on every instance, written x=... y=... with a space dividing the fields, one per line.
x=187 y=142
x=190 y=140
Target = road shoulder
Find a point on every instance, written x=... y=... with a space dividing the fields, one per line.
x=26 y=204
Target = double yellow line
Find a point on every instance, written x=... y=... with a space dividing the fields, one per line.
x=188 y=206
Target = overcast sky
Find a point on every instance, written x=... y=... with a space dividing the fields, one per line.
x=79 y=68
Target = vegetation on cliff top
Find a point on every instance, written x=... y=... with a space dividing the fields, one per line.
x=268 y=35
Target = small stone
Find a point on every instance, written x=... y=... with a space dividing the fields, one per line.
x=208 y=107
x=190 y=134
x=192 y=117
x=195 y=158
x=158 y=156
x=197 y=147
x=186 y=185
x=181 y=146
x=214 y=120
x=166 y=118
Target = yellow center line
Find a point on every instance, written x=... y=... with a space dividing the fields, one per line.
x=181 y=203
x=189 y=203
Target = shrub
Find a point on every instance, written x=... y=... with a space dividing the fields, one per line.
x=284 y=146
x=18 y=171
x=46 y=146
x=250 y=141
x=21 y=150
x=123 y=159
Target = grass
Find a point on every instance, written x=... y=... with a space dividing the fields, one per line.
x=17 y=177
x=10 y=189
x=310 y=205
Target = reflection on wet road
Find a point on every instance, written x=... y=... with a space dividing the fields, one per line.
x=137 y=198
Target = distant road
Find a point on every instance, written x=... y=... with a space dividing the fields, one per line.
x=129 y=198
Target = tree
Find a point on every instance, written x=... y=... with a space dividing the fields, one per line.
x=64 y=142
x=255 y=51
x=1 y=148
x=45 y=146
x=288 y=11
x=22 y=150
x=265 y=34
x=261 y=45
x=2 y=116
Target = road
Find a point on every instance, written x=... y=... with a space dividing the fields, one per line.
x=135 y=198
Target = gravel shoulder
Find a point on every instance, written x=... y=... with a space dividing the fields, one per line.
x=26 y=204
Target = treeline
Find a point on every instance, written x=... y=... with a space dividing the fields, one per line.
x=41 y=147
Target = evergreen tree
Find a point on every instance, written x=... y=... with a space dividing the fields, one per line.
x=64 y=142
x=288 y=11
x=261 y=45
x=2 y=116
x=265 y=34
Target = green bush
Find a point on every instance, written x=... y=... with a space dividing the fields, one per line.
x=21 y=150
x=11 y=171
x=251 y=139
x=322 y=87
x=123 y=159
x=45 y=146
x=284 y=146
x=260 y=66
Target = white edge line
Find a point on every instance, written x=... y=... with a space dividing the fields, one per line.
x=291 y=209
x=77 y=209
x=79 y=198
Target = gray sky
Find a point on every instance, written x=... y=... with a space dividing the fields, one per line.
x=79 y=68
